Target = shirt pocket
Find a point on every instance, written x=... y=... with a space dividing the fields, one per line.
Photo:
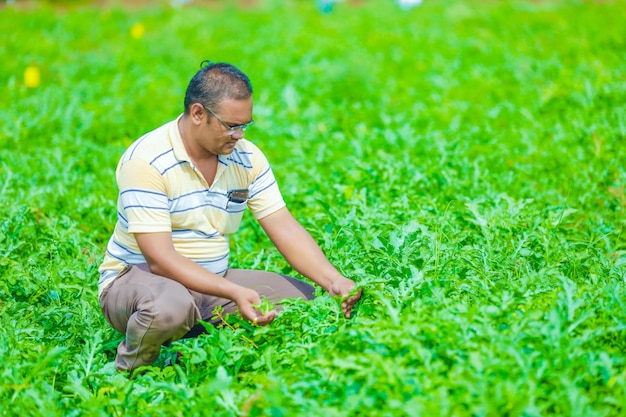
x=235 y=207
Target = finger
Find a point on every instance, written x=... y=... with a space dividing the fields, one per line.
x=346 y=309
x=349 y=304
x=356 y=296
x=251 y=315
x=265 y=320
x=271 y=315
x=257 y=316
x=354 y=299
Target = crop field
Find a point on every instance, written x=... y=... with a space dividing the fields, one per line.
x=463 y=161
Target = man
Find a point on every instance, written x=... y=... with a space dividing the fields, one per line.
x=182 y=190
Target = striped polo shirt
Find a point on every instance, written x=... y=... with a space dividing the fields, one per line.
x=160 y=190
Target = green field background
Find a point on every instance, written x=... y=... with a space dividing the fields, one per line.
x=463 y=161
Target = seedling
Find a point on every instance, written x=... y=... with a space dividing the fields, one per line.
x=265 y=306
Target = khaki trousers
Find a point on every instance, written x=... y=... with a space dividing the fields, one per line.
x=151 y=310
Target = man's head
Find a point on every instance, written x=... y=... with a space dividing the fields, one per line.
x=215 y=82
x=218 y=109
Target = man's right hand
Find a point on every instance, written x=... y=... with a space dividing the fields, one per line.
x=246 y=299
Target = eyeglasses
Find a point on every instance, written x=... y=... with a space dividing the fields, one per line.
x=231 y=129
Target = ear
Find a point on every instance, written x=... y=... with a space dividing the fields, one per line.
x=197 y=113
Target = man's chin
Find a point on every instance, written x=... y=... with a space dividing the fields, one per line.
x=228 y=149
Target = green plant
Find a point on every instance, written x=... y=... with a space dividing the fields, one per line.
x=463 y=162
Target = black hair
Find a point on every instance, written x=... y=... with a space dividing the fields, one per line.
x=214 y=82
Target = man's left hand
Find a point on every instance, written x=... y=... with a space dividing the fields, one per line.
x=342 y=286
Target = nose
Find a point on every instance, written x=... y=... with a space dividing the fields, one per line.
x=237 y=134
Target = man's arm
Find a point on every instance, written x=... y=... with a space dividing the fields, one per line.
x=163 y=260
x=306 y=257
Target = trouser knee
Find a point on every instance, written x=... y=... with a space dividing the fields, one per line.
x=174 y=317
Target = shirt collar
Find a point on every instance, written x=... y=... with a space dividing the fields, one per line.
x=176 y=140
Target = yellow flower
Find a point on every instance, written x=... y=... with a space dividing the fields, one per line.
x=137 y=30
x=32 y=78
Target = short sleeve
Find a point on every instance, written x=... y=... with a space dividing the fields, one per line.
x=264 y=196
x=143 y=197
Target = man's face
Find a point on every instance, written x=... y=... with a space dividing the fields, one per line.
x=219 y=139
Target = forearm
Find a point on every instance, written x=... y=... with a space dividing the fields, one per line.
x=193 y=276
x=307 y=258
x=299 y=249
x=163 y=260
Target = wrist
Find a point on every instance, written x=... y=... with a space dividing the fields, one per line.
x=232 y=291
x=332 y=281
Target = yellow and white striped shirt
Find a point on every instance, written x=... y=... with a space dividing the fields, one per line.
x=161 y=191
